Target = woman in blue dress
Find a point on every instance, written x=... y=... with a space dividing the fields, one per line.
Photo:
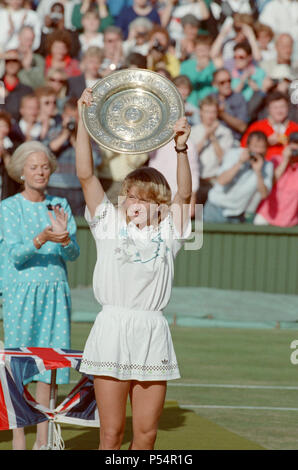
x=39 y=236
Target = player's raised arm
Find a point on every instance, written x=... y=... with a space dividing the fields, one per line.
x=92 y=188
x=181 y=201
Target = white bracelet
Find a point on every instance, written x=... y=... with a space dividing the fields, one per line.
x=39 y=242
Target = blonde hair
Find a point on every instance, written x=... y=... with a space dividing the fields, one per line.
x=44 y=91
x=152 y=186
x=93 y=51
x=50 y=74
x=150 y=183
x=16 y=164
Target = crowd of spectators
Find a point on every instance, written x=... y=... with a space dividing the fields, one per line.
x=235 y=64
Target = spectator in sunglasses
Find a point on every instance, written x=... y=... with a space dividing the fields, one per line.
x=13 y=89
x=232 y=110
x=57 y=79
x=246 y=76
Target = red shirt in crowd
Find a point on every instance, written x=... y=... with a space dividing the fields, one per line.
x=280 y=208
x=265 y=126
x=71 y=66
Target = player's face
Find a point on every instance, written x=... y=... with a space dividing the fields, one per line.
x=139 y=209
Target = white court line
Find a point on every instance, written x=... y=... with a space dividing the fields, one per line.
x=257 y=387
x=260 y=387
x=269 y=408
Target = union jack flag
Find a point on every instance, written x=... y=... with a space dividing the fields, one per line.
x=17 y=406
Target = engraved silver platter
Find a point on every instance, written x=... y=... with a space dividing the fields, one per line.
x=133 y=112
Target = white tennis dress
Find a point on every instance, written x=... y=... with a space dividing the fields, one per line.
x=130 y=338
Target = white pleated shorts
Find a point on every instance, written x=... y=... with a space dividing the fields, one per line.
x=130 y=345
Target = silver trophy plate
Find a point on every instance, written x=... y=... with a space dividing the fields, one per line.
x=133 y=111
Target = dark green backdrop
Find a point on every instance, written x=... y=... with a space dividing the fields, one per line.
x=232 y=257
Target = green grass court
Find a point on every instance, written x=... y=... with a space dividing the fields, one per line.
x=239 y=389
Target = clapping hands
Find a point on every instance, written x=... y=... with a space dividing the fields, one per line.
x=57 y=231
x=59 y=223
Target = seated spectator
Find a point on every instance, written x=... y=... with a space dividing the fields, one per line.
x=246 y=77
x=90 y=35
x=243 y=177
x=139 y=8
x=280 y=208
x=172 y=14
x=200 y=70
x=184 y=87
x=99 y=6
x=283 y=56
x=231 y=34
x=28 y=127
x=90 y=65
x=211 y=140
x=277 y=126
x=138 y=36
x=61 y=140
x=163 y=160
x=54 y=22
x=8 y=187
x=58 y=47
x=33 y=64
x=13 y=89
x=265 y=36
x=160 y=55
x=113 y=51
x=48 y=114
x=185 y=47
x=12 y=17
x=57 y=79
x=232 y=105
x=281 y=16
